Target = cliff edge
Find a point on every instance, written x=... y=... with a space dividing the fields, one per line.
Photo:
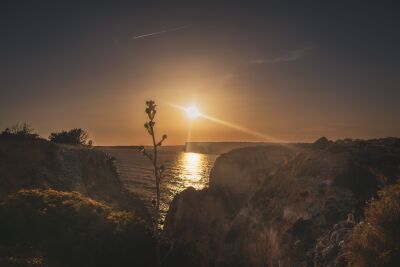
x=40 y=164
x=65 y=206
x=275 y=205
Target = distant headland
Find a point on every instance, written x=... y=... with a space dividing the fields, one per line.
x=218 y=147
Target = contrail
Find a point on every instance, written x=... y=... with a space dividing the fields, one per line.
x=161 y=32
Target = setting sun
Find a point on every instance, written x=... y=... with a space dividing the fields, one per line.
x=199 y=133
x=192 y=112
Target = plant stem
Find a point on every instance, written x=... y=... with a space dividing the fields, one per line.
x=157 y=207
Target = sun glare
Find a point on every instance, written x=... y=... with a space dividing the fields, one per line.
x=192 y=112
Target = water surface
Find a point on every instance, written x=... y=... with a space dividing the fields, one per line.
x=182 y=170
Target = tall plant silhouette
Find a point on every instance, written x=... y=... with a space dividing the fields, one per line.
x=158 y=168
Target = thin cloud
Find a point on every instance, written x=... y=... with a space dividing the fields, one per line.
x=161 y=32
x=292 y=56
x=256 y=61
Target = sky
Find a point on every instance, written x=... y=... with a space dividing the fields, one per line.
x=272 y=71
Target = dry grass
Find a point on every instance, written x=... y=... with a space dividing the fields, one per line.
x=68 y=229
x=376 y=242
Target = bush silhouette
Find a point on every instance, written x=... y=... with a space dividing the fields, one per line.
x=75 y=136
x=376 y=242
x=19 y=131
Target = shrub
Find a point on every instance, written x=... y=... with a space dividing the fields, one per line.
x=68 y=229
x=75 y=136
x=376 y=242
x=19 y=131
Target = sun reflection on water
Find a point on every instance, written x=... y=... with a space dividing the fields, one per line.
x=183 y=170
x=193 y=166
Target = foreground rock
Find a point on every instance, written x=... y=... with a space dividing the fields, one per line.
x=37 y=163
x=274 y=205
x=65 y=206
x=53 y=228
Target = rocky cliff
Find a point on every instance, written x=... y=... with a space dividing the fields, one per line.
x=66 y=206
x=37 y=163
x=280 y=205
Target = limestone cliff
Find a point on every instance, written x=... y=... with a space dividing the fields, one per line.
x=41 y=164
x=66 y=206
x=274 y=205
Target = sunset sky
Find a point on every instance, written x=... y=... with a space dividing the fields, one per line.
x=290 y=72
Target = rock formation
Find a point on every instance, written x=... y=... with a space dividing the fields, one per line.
x=41 y=164
x=65 y=206
x=278 y=205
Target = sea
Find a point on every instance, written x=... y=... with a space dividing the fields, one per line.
x=183 y=170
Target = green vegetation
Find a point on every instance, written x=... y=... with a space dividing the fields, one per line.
x=376 y=242
x=75 y=136
x=54 y=228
